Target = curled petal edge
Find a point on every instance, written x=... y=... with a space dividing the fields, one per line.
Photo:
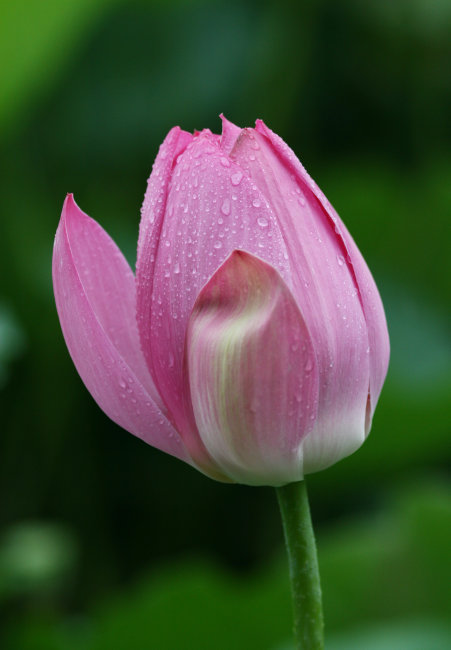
x=252 y=373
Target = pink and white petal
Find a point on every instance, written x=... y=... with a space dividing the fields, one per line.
x=252 y=373
x=212 y=208
x=95 y=298
x=378 y=340
x=325 y=289
x=152 y=214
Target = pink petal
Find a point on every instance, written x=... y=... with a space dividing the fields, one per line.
x=211 y=209
x=95 y=298
x=152 y=214
x=378 y=340
x=326 y=292
x=252 y=373
x=230 y=133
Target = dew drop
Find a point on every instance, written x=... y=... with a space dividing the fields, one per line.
x=308 y=365
x=262 y=222
x=256 y=203
x=340 y=260
x=225 y=207
x=217 y=244
x=235 y=178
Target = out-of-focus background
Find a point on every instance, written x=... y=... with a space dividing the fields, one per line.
x=106 y=543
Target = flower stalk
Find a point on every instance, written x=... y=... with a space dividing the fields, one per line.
x=303 y=566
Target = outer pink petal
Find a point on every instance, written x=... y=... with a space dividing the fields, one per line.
x=378 y=340
x=252 y=373
x=152 y=230
x=212 y=208
x=152 y=214
x=328 y=297
x=95 y=298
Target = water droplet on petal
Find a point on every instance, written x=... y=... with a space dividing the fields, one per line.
x=308 y=365
x=256 y=203
x=301 y=200
x=225 y=207
x=217 y=244
x=262 y=222
x=235 y=178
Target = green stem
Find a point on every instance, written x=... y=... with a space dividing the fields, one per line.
x=303 y=565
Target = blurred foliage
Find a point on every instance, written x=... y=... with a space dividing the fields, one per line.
x=36 y=38
x=397 y=574
x=35 y=558
x=12 y=341
x=362 y=92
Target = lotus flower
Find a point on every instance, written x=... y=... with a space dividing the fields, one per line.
x=252 y=342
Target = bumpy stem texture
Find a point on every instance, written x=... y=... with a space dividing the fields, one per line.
x=303 y=566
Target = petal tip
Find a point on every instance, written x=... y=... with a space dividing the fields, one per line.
x=230 y=133
x=71 y=213
x=69 y=202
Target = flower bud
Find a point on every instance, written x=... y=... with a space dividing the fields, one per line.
x=252 y=342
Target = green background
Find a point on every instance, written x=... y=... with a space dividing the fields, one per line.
x=108 y=544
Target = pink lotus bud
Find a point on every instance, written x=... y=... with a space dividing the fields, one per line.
x=252 y=343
